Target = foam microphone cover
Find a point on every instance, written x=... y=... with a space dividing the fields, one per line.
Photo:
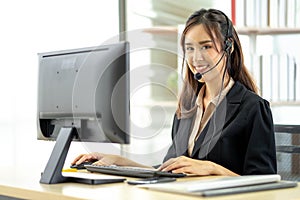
x=197 y=76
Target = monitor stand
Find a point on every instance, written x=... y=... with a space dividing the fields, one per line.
x=53 y=170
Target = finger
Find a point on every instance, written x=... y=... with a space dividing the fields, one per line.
x=100 y=162
x=184 y=170
x=172 y=161
x=77 y=158
x=166 y=164
x=176 y=165
x=86 y=157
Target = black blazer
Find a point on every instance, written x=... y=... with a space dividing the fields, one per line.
x=239 y=136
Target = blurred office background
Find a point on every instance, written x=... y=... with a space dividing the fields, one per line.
x=153 y=27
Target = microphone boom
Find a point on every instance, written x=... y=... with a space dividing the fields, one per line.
x=198 y=75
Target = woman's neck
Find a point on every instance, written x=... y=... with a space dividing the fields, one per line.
x=213 y=88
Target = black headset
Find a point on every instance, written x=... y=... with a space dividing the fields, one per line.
x=228 y=36
x=228 y=42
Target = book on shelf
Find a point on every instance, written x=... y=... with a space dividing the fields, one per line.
x=283 y=85
x=274 y=78
x=240 y=16
x=297 y=13
x=291 y=13
x=291 y=77
x=263 y=13
x=266 y=81
x=282 y=13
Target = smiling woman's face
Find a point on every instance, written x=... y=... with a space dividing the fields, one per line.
x=201 y=53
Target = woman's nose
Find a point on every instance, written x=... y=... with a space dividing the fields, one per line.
x=197 y=56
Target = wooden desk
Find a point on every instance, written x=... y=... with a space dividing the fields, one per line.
x=25 y=184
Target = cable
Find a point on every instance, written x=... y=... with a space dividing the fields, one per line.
x=215 y=113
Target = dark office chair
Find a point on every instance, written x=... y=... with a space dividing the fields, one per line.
x=288 y=151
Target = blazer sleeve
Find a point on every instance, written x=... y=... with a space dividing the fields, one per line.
x=172 y=149
x=260 y=157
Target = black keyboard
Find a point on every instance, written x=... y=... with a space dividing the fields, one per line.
x=131 y=171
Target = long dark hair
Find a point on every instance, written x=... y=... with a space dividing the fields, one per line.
x=220 y=29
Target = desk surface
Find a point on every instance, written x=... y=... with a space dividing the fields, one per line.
x=25 y=184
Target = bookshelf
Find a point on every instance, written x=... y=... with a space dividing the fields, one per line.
x=289 y=95
x=277 y=73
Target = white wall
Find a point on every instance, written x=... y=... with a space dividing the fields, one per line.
x=27 y=28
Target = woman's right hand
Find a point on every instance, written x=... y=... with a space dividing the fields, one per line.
x=106 y=159
x=98 y=159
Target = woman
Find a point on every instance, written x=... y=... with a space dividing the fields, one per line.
x=221 y=126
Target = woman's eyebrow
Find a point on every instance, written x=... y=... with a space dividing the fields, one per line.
x=205 y=41
x=201 y=42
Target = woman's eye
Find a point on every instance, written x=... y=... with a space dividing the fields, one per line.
x=189 y=48
x=205 y=47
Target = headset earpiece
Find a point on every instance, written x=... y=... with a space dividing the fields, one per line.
x=228 y=46
x=228 y=36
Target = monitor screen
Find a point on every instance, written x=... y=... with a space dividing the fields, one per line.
x=83 y=94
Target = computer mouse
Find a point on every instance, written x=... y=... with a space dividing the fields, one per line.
x=81 y=165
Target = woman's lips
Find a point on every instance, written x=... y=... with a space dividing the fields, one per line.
x=201 y=68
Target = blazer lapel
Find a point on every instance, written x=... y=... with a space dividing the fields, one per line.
x=182 y=136
x=220 y=119
x=234 y=98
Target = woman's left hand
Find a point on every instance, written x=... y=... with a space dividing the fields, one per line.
x=187 y=165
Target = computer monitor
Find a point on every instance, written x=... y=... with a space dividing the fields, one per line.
x=83 y=94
